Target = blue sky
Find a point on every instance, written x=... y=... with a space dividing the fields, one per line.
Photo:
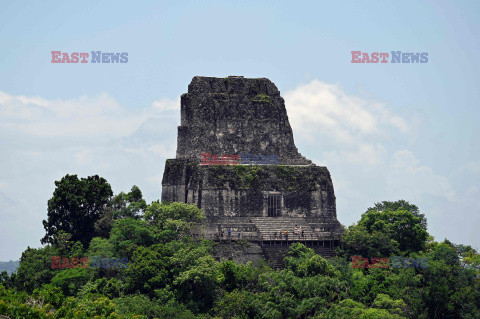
x=385 y=131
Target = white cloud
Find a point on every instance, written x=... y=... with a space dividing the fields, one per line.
x=45 y=139
x=471 y=167
x=404 y=159
x=408 y=177
x=79 y=116
x=321 y=108
x=166 y=104
x=364 y=144
x=367 y=154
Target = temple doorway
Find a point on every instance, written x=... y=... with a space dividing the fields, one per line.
x=273 y=205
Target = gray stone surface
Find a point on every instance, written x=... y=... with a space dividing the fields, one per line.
x=236 y=190
x=240 y=252
x=236 y=115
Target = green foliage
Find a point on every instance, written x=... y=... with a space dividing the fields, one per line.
x=358 y=241
x=75 y=207
x=262 y=98
x=304 y=262
x=197 y=286
x=293 y=178
x=173 y=221
x=230 y=275
x=172 y=275
x=4 y=279
x=101 y=247
x=128 y=234
x=239 y=304
x=143 y=307
x=400 y=204
x=350 y=309
x=472 y=260
x=35 y=268
x=102 y=287
x=393 y=306
x=400 y=225
x=19 y=305
x=87 y=308
x=384 y=233
x=49 y=294
x=148 y=270
x=157 y=266
x=450 y=289
x=130 y=205
x=284 y=295
x=70 y=280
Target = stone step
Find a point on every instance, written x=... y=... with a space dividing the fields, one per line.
x=274 y=228
x=267 y=228
x=287 y=227
x=292 y=230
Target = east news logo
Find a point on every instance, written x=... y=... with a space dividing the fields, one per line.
x=397 y=57
x=97 y=57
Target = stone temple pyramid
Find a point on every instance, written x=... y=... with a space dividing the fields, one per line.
x=236 y=160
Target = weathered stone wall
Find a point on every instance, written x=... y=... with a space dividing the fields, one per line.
x=307 y=191
x=235 y=115
x=240 y=252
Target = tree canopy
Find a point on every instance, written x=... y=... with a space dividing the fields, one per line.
x=383 y=231
x=171 y=274
x=75 y=206
x=393 y=206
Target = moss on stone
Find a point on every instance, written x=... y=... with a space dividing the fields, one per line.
x=262 y=98
x=248 y=177
x=233 y=177
x=173 y=171
x=296 y=178
x=253 y=177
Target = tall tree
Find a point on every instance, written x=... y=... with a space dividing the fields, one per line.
x=130 y=205
x=403 y=204
x=400 y=225
x=383 y=231
x=75 y=207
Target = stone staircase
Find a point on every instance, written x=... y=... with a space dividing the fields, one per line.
x=270 y=228
x=260 y=231
x=219 y=226
x=273 y=228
